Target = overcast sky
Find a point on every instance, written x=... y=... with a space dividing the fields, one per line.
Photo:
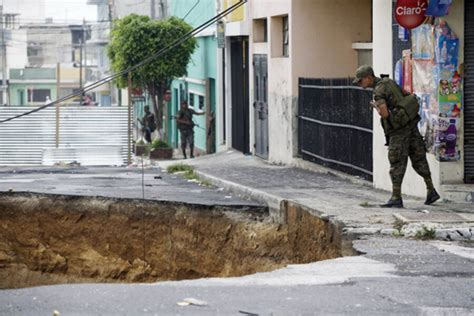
x=70 y=10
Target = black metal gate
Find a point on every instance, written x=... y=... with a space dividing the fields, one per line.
x=469 y=92
x=261 y=105
x=335 y=125
x=240 y=93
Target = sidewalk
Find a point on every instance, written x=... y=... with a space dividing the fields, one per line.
x=350 y=201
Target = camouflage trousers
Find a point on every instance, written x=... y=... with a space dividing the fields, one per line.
x=187 y=137
x=407 y=143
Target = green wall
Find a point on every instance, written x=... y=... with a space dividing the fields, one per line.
x=30 y=78
x=15 y=89
x=202 y=66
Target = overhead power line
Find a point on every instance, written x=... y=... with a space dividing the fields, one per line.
x=190 y=10
x=147 y=60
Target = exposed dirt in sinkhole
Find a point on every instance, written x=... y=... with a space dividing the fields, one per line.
x=51 y=239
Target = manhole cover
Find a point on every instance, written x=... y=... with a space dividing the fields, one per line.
x=437 y=217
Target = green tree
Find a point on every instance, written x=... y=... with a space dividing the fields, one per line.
x=136 y=37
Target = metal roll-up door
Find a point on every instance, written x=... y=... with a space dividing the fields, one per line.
x=469 y=92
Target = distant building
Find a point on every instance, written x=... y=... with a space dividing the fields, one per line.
x=50 y=43
x=26 y=11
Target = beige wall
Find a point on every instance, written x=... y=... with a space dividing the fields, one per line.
x=323 y=34
x=321 y=37
x=266 y=8
x=279 y=80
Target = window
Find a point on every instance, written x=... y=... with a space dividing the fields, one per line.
x=191 y=100
x=9 y=21
x=260 y=31
x=286 y=36
x=201 y=102
x=280 y=36
x=38 y=95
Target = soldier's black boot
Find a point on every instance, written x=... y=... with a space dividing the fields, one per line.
x=397 y=203
x=192 y=152
x=184 y=153
x=432 y=197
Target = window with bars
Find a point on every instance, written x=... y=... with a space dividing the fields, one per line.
x=191 y=100
x=201 y=102
x=286 y=36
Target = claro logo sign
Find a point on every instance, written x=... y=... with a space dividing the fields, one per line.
x=410 y=13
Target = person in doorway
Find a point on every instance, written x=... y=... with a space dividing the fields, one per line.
x=184 y=119
x=148 y=124
x=403 y=140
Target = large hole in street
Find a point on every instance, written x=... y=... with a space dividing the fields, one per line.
x=51 y=239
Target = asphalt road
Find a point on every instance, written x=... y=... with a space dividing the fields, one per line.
x=120 y=182
x=393 y=277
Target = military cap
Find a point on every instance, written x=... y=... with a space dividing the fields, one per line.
x=362 y=72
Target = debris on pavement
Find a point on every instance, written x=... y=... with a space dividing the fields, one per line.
x=192 y=301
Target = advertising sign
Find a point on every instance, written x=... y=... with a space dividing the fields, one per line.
x=410 y=13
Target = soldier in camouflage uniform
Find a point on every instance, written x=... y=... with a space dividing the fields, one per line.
x=404 y=140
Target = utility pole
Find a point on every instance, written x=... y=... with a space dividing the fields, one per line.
x=81 y=84
x=111 y=85
x=152 y=11
x=58 y=96
x=129 y=125
x=163 y=6
x=80 y=72
x=4 y=60
x=84 y=41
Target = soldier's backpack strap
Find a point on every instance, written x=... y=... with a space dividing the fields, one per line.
x=408 y=105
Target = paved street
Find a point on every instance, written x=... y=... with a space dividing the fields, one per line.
x=392 y=275
x=114 y=182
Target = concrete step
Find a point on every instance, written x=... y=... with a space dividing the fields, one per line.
x=458 y=193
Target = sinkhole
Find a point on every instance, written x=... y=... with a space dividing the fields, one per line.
x=53 y=239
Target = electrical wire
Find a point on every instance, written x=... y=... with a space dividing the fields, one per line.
x=147 y=60
x=190 y=10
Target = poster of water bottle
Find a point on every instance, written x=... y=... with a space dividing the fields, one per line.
x=446 y=139
x=449 y=94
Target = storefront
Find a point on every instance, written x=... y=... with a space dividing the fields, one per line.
x=432 y=53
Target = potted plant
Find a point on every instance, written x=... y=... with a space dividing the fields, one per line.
x=140 y=148
x=160 y=150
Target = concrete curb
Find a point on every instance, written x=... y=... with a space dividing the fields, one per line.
x=271 y=200
x=409 y=230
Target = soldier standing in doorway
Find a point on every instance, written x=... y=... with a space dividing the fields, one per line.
x=184 y=119
x=404 y=139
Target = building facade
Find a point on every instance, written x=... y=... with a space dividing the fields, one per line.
x=199 y=86
x=453 y=174
x=275 y=43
